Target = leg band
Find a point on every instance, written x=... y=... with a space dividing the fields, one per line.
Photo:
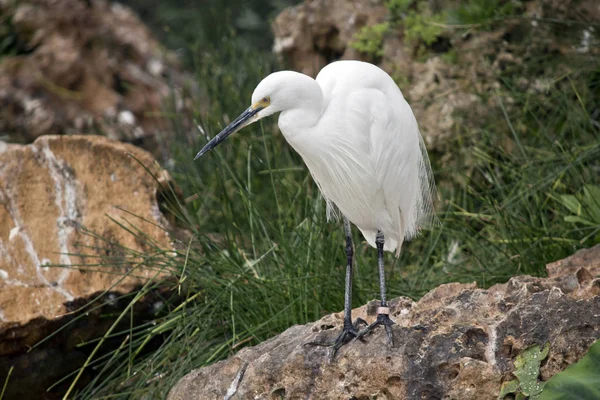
x=383 y=310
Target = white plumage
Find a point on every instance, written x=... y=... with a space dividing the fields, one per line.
x=360 y=140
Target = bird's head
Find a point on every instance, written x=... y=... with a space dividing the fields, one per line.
x=277 y=92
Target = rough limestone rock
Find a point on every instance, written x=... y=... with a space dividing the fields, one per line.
x=451 y=86
x=457 y=342
x=73 y=66
x=53 y=194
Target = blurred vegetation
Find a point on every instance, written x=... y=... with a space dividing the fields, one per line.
x=189 y=26
x=370 y=39
x=262 y=256
x=9 y=39
x=483 y=12
x=420 y=22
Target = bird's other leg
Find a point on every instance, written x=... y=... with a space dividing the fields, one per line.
x=383 y=312
x=350 y=330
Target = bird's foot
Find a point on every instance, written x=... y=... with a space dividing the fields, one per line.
x=382 y=319
x=349 y=332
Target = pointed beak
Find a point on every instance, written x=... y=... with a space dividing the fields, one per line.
x=246 y=118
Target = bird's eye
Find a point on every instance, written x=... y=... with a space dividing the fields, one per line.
x=265 y=100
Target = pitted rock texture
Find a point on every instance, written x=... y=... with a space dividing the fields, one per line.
x=75 y=66
x=53 y=194
x=457 y=342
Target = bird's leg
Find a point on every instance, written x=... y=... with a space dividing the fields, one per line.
x=383 y=312
x=350 y=330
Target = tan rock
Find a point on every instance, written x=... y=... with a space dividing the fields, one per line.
x=588 y=259
x=61 y=200
x=457 y=342
x=53 y=193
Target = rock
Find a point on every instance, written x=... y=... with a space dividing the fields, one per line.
x=587 y=259
x=316 y=32
x=82 y=67
x=57 y=198
x=457 y=342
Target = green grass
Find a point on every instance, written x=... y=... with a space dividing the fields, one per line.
x=262 y=256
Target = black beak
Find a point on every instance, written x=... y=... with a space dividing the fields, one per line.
x=244 y=119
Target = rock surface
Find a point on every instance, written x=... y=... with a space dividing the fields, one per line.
x=457 y=342
x=451 y=82
x=52 y=191
x=57 y=198
x=75 y=66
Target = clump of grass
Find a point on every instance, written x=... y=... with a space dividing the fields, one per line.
x=584 y=206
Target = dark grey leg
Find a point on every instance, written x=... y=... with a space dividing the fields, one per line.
x=383 y=313
x=379 y=241
x=349 y=272
x=350 y=330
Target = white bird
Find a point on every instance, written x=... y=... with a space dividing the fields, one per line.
x=361 y=143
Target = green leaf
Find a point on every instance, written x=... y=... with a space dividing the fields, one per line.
x=574 y=218
x=579 y=381
x=527 y=369
x=508 y=388
x=571 y=202
x=591 y=202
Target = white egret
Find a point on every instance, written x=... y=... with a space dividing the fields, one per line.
x=361 y=143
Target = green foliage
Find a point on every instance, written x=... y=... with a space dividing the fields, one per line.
x=398 y=7
x=423 y=24
x=369 y=40
x=585 y=207
x=579 y=381
x=451 y=56
x=420 y=27
x=482 y=12
x=527 y=369
x=417 y=20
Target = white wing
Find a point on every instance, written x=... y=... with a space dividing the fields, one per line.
x=402 y=165
x=376 y=151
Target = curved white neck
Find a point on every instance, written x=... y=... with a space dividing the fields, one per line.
x=306 y=114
